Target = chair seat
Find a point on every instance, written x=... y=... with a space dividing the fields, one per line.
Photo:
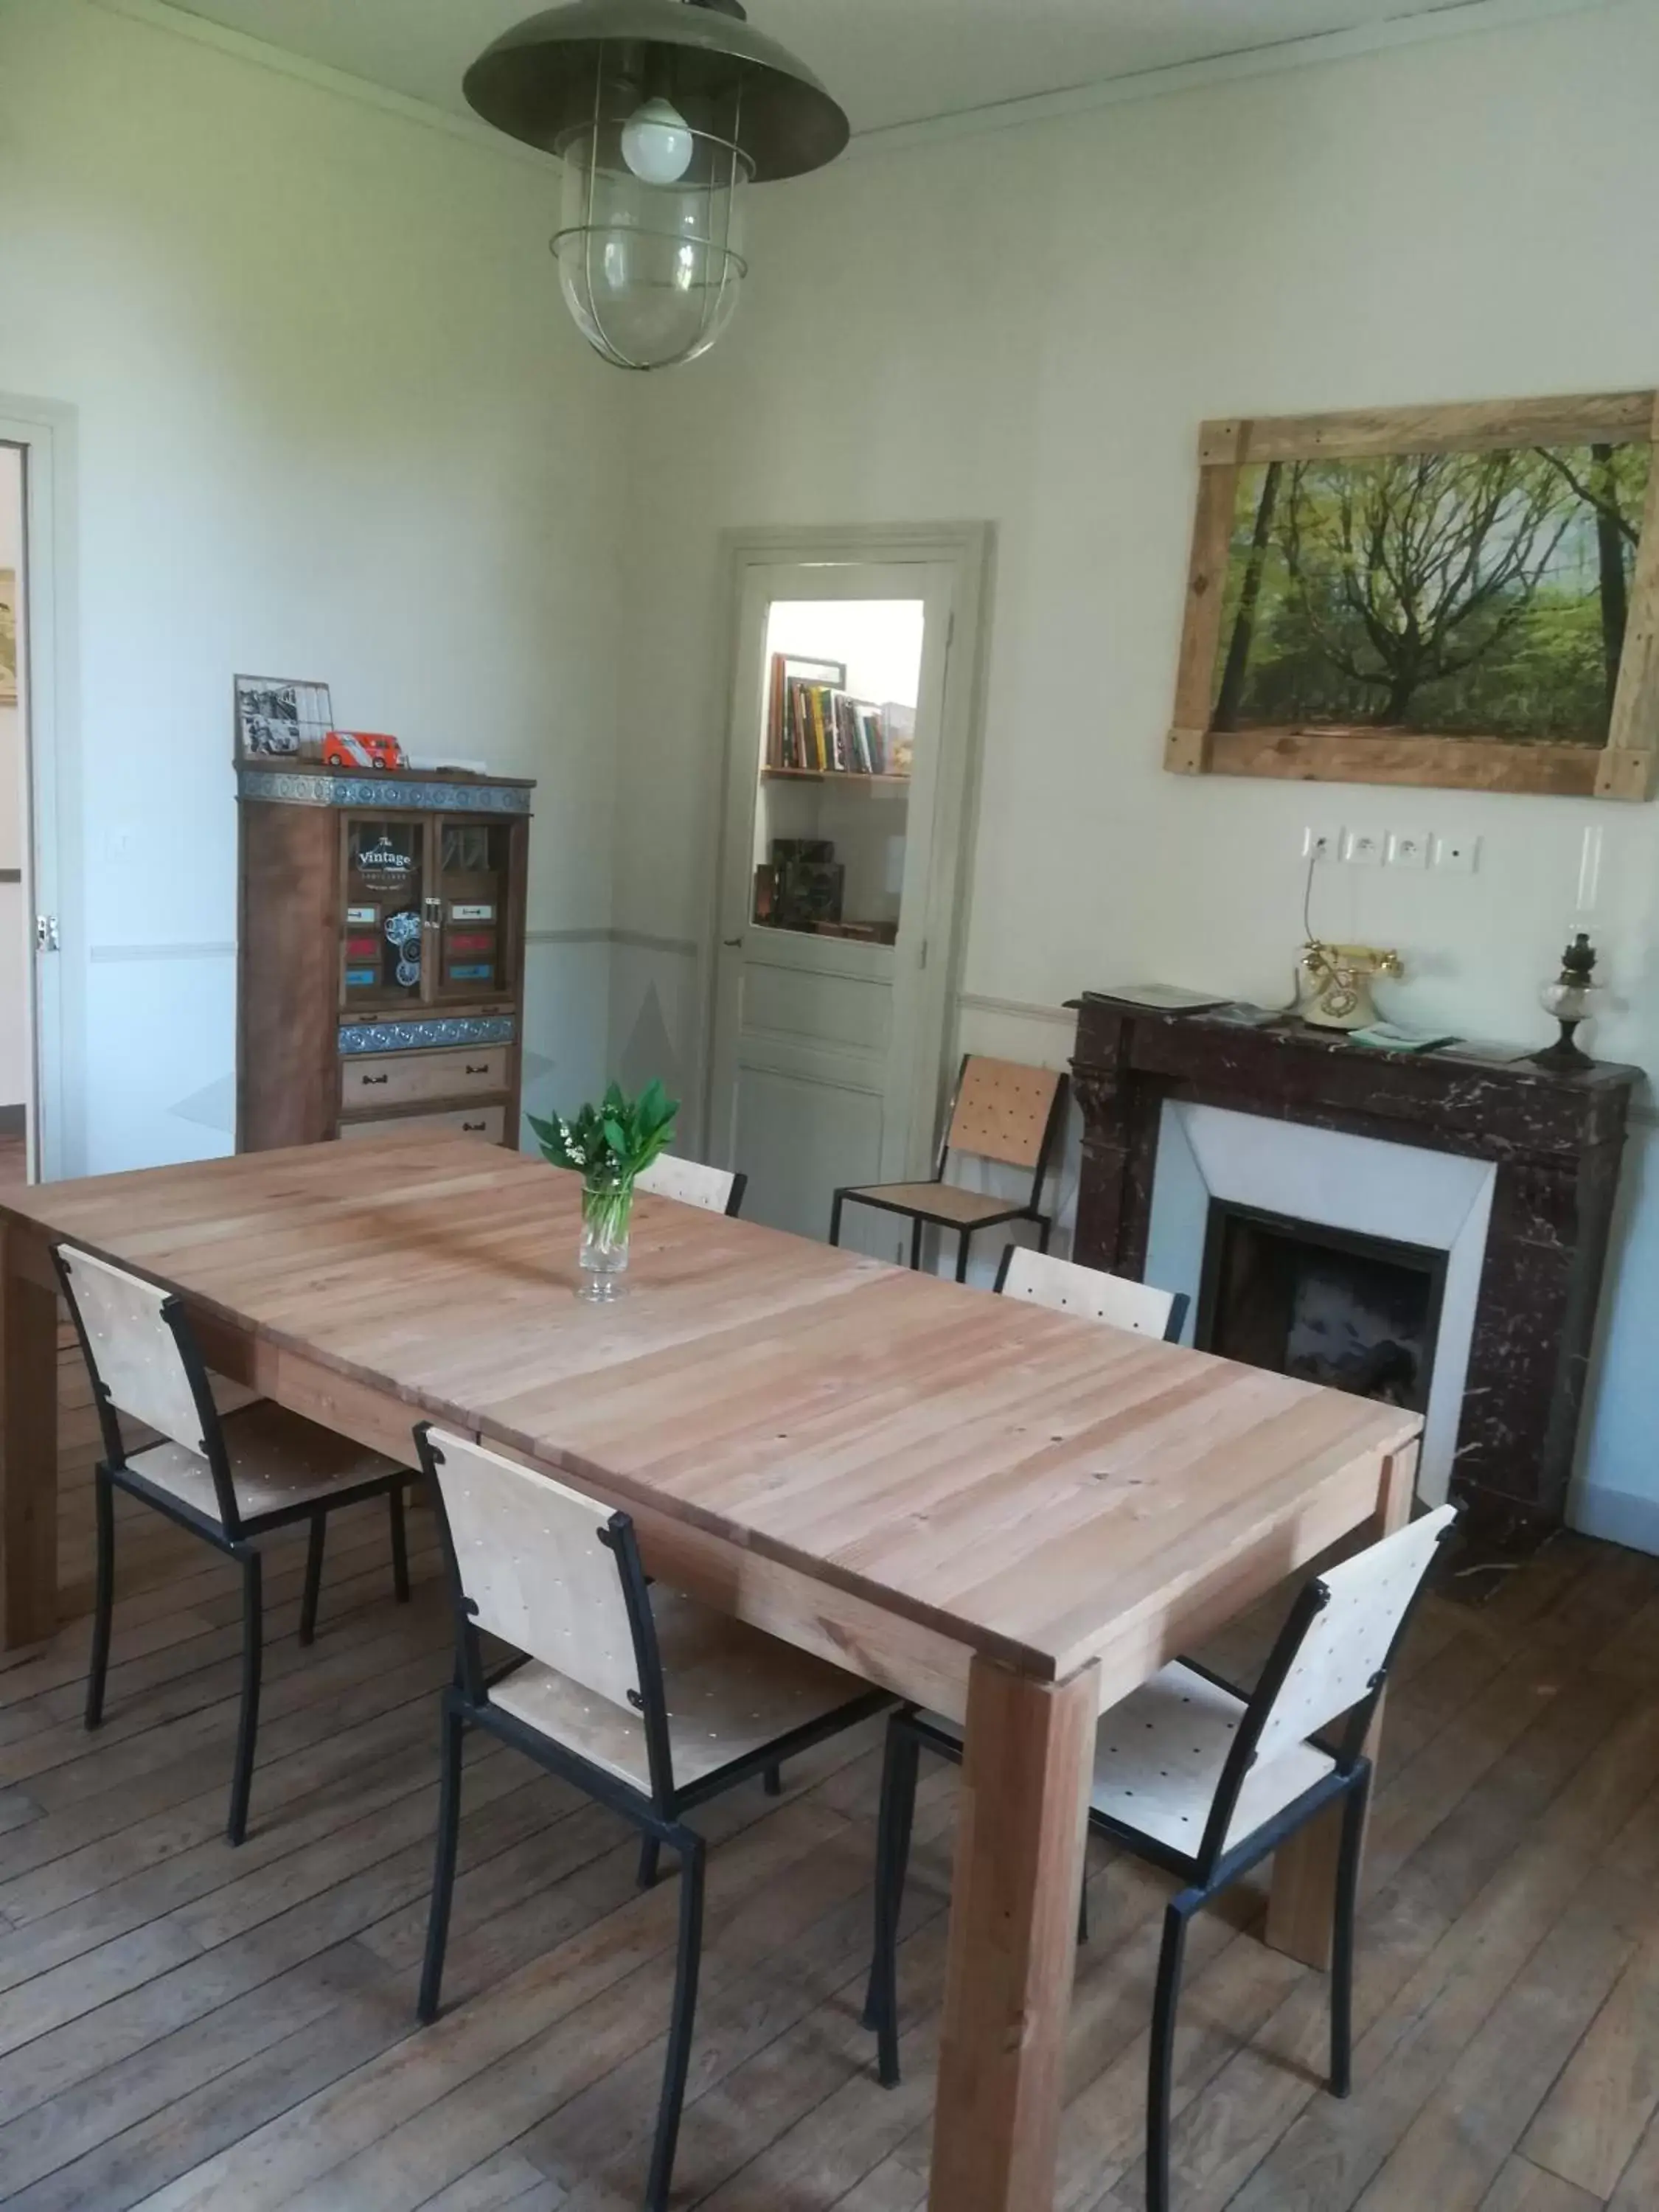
x=941 y=1201
x=733 y=1690
x=277 y=1459
x=1158 y=1758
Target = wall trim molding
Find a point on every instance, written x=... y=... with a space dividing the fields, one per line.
x=1023 y=1010
x=1617 y=1516
x=100 y=954
x=1456 y=19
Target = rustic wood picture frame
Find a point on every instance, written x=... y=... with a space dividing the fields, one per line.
x=1626 y=767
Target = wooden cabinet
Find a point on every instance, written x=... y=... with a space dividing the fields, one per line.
x=381 y=956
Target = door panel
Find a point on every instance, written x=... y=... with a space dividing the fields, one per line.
x=824 y=1063
x=799 y=1134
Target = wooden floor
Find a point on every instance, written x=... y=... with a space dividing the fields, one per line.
x=184 y=2026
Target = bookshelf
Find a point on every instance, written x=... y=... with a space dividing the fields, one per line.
x=827 y=775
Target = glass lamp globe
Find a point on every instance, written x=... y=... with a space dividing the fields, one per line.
x=650 y=243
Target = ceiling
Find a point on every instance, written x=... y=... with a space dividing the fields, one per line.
x=887 y=61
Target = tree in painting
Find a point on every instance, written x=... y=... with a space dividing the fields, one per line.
x=1474 y=594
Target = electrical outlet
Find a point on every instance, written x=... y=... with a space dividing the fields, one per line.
x=1458 y=855
x=1321 y=842
x=1363 y=848
x=1407 y=848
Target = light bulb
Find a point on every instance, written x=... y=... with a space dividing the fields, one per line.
x=657 y=144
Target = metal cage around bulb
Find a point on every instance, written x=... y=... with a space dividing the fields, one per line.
x=652 y=272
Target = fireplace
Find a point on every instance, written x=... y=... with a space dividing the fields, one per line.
x=1356 y=1313
x=1500 y=1170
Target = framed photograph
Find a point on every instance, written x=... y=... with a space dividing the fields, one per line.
x=281 y=718
x=1457 y=596
x=8 y=637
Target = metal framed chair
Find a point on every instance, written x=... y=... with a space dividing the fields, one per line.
x=1001 y=1112
x=717 y=1190
x=558 y=1577
x=229 y=1477
x=1205 y=1782
x=1065 y=1287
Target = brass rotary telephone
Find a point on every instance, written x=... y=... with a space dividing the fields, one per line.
x=1333 y=983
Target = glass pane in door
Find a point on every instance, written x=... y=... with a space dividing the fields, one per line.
x=474 y=861
x=834 y=755
x=385 y=909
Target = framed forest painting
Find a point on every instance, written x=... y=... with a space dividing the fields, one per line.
x=1461 y=595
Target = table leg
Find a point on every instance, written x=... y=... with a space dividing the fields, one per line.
x=28 y=1449
x=1302 y=1907
x=1026 y=1764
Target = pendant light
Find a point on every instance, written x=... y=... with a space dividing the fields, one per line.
x=663 y=113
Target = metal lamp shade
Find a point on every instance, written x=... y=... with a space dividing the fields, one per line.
x=542 y=80
x=652 y=267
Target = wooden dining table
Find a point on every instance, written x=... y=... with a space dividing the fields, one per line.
x=1008 y=1514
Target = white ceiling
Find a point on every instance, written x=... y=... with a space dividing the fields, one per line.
x=887 y=61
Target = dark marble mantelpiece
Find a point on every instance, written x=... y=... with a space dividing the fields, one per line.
x=1556 y=1138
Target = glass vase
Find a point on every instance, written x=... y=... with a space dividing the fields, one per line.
x=607 y=1205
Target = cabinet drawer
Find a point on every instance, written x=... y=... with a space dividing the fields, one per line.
x=489 y=1122
x=409 y=1078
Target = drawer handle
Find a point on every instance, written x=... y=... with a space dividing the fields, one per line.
x=369 y=1080
x=472 y=1129
x=482 y=1068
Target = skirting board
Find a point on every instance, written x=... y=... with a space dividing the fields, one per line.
x=1617 y=1516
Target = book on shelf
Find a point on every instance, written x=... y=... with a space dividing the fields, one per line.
x=816 y=727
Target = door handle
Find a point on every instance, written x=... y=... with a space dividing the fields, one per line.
x=732 y=943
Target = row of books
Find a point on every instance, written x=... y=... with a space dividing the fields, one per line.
x=822 y=729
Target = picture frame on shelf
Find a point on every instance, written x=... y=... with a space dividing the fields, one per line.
x=1457 y=596
x=281 y=718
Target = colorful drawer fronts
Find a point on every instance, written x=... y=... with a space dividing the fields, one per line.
x=417 y=885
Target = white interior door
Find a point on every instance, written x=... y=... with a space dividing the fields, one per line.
x=833 y=951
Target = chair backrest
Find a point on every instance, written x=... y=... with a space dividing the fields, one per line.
x=1065 y=1287
x=1004 y=1111
x=538 y=1565
x=1345 y=1648
x=717 y=1190
x=132 y=1347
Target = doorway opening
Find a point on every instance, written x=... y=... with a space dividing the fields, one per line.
x=16 y=1032
x=850 y=727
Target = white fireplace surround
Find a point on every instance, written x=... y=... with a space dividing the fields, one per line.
x=1405 y=1193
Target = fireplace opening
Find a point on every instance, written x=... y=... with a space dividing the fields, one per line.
x=1356 y=1313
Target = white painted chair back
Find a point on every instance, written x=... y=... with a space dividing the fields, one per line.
x=687 y=1181
x=1067 y=1287
x=133 y=1349
x=1352 y=1635
x=532 y=1562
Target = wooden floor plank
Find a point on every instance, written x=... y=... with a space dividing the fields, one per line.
x=185 y=2026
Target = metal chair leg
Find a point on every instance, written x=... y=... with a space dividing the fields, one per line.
x=400 y=1544
x=1045 y=1230
x=104 y=1601
x=681 y=2021
x=835 y=1218
x=253 y=1638
x=1161 y=2072
x=313 y=1589
x=1083 y=1895
x=774 y=1781
x=963 y=1236
x=1347 y=1898
x=898 y=1805
x=915 y=1245
x=650 y=1854
x=443 y=1871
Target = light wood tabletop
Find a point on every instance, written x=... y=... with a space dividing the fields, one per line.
x=1010 y=1514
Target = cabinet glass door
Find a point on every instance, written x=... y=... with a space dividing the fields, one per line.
x=386 y=942
x=474 y=890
